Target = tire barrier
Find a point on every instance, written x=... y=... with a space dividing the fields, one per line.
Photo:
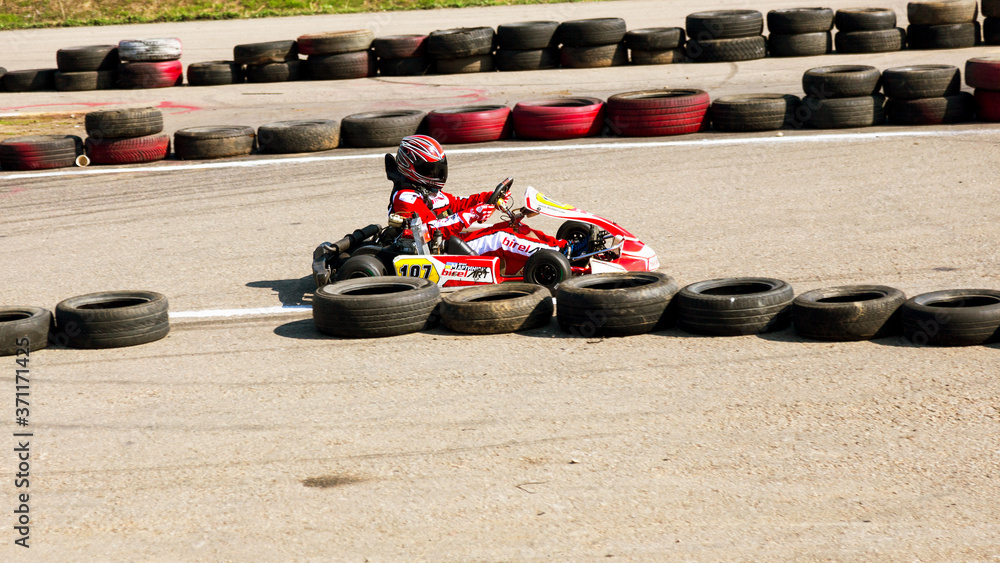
x=983 y=74
x=126 y=136
x=800 y=32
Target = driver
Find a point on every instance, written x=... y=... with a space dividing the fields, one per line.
x=423 y=166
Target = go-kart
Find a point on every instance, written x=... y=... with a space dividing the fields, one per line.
x=405 y=248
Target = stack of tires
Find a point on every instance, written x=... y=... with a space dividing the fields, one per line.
x=215 y=73
x=558 y=118
x=991 y=25
x=656 y=45
x=842 y=96
x=725 y=35
x=653 y=113
x=942 y=24
x=983 y=74
x=800 y=32
x=126 y=136
x=271 y=61
x=402 y=55
x=868 y=30
x=38 y=152
x=31 y=80
x=338 y=55
x=90 y=67
x=592 y=43
x=532 y=45
x=926 y=95
x=150 y=63
x=755 y=112
x=462 y=50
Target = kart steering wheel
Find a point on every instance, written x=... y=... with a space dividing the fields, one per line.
x=502 y=189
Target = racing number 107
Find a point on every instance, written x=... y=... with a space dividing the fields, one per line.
x=414 y=271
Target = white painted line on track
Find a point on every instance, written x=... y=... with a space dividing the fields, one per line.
x=229 y=313
x=789 y=139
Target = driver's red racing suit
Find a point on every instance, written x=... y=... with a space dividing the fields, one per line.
x=449 y=215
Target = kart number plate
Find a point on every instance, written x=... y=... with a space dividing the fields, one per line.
x=417 y=268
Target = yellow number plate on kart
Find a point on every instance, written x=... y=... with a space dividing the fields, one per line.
x=448 y=270
x=418 y=267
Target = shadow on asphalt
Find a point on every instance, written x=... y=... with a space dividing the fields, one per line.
x=302 y=329
x=290 y=292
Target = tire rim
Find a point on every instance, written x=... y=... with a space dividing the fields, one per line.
x=547 y=275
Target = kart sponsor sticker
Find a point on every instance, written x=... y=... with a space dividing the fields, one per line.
x=553 y=203
x=417 y=267
x=467 y=272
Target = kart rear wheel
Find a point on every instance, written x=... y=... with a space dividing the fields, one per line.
x=548 y=268
x=361 y=266
x=573 y=231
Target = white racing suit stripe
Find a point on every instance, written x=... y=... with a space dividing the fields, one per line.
x=508 y=242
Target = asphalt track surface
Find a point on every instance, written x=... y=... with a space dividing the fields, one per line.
x=436 y=446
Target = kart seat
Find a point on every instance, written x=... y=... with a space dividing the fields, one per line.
x=459 y=247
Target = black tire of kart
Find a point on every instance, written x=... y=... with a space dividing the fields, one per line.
x=723 y=24
x=879 y=41
x=17 y=323
x=727 y=50
x=214 y=141
x=991 y=8
x=594 y=56
x=841 y=81
x=655 y=39
x=88 y=58
x=991 y=31
x=547 y=268
x=941 y=12
x=283 y=137
x=288 y=71
x=738 y=313
x=926 y=324
x=31 y=80
x=465 y=65
x=361 y=266
x=380 y=128
x=87 y=80
x=865 y=19
x=537 y=59
x=959 y=108
x=149 y=50
x=947 y=36
x=113 y=319
x=361 y=308
x=753 y=112
x=460 y=42
x=616 y=304
x=335 y=42
x=793 y=21
x=800 y=45
x=573 y=231
x=842 y=113
x=527 y=36
x=848 y=313
x=589 y=32
x=411 y=66
x=264 y=53
x=921 y=81
x=400 y=46
x=122 y=123
x=342 y=66
x=497 y=309
x=215 y=73
x=670 y=56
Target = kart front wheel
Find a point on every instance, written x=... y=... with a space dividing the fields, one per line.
x=548 y=268
x=361 y=266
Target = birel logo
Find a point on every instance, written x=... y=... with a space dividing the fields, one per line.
x=464 y=271
x=511 y=243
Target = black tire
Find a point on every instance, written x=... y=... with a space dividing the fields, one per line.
x=594 y=31
x=539 y=59
x=122 y=123
x=285 y=137
x=17 y=323
x=361 y=266
x=921 y=81
x=83 y=81
x=37 y=152
x=343 y=66
x=991 y=8
x=841 y=113
x=655 y=39
x=113 y=319
x=413 y=66
x=400 y=46
x=375 y=307
x=880 y=41
x=865 y=19
x=800 y=45
x=460 y=42
x=547 y=268
x=335 y=42
x=841 y=81
x=215 y=141
x=527 y=36
x=941 y=12
x=793 y=21
x=215 y=73
x=991 y=31
x=724 y=24
x=288 y=71
x=948 y=36
x=753 y=112
x=727 y=50
x=464 y=65
x=574 y=231
x=380 y=128
x=956 y=317
x=32 y=80
x=959 y=108
x=497 y=309
x=618 y=304
x=264 y=53
x=848 y=313
x=88 y=58
x=671 y=56
x=734 y=306
x=595 y=56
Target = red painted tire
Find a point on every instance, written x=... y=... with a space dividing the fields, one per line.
x=151 y=75
x=400 y=46
x=651 y=113
x=128 y=151
x=983 y=72
x=558 y=118
x=39 y=152
x=469 y=124
x=987 y=105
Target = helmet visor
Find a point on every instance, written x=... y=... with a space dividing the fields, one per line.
x=433 y=170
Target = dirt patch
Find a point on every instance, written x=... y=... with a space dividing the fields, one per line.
x=61 y=123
